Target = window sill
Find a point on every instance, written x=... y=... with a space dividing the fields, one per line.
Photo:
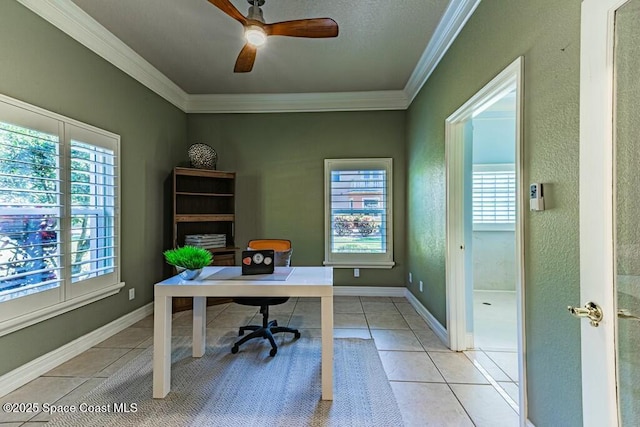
x=386 y=264
x=17 y=323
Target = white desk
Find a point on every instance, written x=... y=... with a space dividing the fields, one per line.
x=302 y=282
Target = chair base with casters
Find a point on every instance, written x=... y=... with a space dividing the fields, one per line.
x=268 y=327
x=282 y=258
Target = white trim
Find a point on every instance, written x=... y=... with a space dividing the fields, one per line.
x=298 y=102
x=369 y=291
x=358 y=260
x=31 y=318
x=72 y=20
x=69 y=18
x=597 y=251
x=436 y=327
x=520 y=255
x=454 y=19
x=375 y=291
x=32 y=370
x=455 y=136
x=499 y=86
x=455 y=239
x=469 y=340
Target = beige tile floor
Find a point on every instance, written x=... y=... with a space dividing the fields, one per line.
x=433 y=386
x=495 y=339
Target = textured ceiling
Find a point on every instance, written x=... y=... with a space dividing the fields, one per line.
x=195 y=44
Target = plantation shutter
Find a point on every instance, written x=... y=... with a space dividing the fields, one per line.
x=358 y=213
x=494 y=195
x=59 y=215
x=93 y=194
x=30 y=205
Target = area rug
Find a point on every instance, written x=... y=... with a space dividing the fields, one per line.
x=246 y=389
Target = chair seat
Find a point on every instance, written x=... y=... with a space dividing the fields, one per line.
x=260 y=301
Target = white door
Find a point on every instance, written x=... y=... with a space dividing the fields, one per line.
x=609 y=211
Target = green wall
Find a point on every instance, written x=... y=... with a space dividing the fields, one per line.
x=279 y=160
x=547 y=34
x=42 y=66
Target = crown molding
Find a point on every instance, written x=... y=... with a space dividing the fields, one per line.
x=69 y=18
x=298 y=102
x=453 y=20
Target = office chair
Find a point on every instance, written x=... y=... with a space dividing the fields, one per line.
x=282 y=258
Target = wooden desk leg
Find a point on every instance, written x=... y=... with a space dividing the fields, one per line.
x=327 y=348
x=199 y=326
x=161 y=347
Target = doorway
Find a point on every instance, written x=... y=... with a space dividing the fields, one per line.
x=484 y=234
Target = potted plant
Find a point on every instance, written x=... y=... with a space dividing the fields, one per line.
x=188 y=260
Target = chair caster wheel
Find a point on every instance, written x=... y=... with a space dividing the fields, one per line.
x=234 y=349
x=240 y=333
x=273 y=352
x=297 y=335
x=275 y=323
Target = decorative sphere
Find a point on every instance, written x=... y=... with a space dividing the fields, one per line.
x=202 y=156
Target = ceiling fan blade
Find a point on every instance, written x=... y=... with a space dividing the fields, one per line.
x=229 y=9
x=245 y=60
x=312 y=28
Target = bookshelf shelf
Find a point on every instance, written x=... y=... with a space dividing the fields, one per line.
x=204 y=203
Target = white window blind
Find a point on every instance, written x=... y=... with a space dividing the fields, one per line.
x=92 y=211
x=30 y=205
x=358 y=212
x=494 y=195
x=59 y=220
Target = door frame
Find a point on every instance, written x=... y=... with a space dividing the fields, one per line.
x=597 y=265
x=455 y=238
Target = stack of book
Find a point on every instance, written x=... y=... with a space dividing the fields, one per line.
x=206 y=241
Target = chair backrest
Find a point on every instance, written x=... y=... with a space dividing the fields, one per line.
x=281 y=247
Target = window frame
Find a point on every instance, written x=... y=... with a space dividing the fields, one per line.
x=27 y=310
x=358 y=260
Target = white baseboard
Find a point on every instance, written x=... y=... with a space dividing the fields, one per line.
x=529 y=423
x=32 y=370
x=368 y=291
x=436 y=327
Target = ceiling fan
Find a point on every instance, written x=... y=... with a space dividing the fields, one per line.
x=256 y=30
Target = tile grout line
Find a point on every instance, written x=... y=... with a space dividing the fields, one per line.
x=496 y=386
x=368 y=328
x=498 y=364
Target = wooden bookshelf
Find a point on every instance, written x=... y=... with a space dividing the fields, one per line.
x=204 y=203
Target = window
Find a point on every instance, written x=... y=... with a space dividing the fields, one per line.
x=58 y=214
x=358 y=213
x=494 y=197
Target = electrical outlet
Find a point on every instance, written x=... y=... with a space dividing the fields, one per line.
x=410 y=278
x=132 y=293
x=420 y=285
x=356 y=272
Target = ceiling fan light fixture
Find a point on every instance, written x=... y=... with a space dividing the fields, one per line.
x=255 y=36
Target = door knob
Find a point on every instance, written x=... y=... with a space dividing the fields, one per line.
x=591 y=310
